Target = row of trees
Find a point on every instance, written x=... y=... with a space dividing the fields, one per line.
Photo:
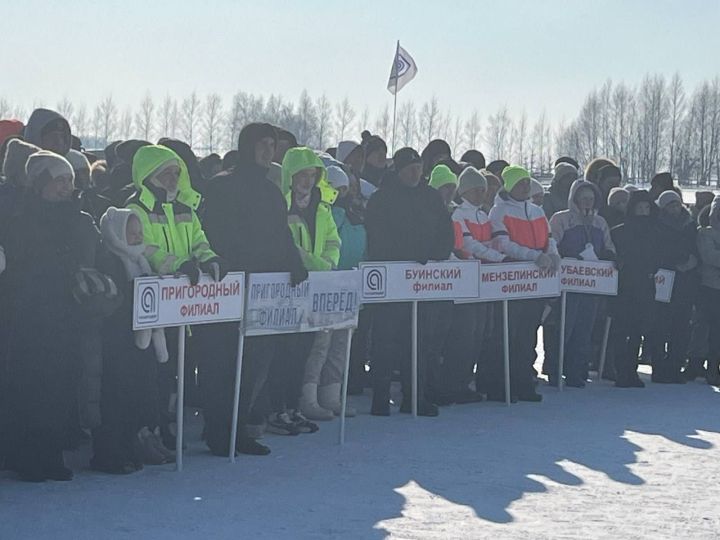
x=652 y=127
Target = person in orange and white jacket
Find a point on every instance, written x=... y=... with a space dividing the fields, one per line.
x=466 y=344
x=521 y=232
x=473 y=230
x=520 y=229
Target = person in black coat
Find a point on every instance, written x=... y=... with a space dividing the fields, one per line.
x=245 y=221
x=670 y=338
x=639 y=249
x=406 y=220
x=47 y=242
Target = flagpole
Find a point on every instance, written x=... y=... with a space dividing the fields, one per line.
x=397 y=51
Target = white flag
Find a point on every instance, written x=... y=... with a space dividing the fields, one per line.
x=403 y=71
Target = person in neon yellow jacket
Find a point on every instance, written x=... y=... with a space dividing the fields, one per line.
x=310 y=213
x=319 y=356
x=166 y=203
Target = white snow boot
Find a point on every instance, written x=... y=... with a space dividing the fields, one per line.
x=329 y=398
x=309 y=404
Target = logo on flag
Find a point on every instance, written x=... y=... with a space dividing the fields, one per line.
x=402 y=72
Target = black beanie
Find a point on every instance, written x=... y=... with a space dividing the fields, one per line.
x=474 y=158
x=372 y=143
x=434 y=148
x=404 y=157
x=249 y=136
x=497 y=167
x=663 y=180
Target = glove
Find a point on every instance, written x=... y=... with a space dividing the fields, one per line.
x=216 y=267
x=607 y=255
x=422 y=260
x=297 y=276
x=543 y=261
x=554 y=262
x=190 y=269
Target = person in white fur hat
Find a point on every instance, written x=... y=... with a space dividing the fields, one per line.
x=128 y=437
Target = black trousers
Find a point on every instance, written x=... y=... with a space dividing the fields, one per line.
x=217 y=377
x=287 y=370
x=669 y=339
x=462 y=350
x=523 y=320
x=129 y=401
x=392 y=345
x=632 y=320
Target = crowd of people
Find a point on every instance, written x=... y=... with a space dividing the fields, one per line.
x=76 y=227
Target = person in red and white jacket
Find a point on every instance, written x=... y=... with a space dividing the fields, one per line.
x=469 y=342
x=520 y=232
x=473 y=230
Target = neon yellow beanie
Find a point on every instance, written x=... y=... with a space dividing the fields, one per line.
x=513 y=174
x=441 y=175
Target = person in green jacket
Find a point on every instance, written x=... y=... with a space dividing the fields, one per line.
x=310 y=212
x=166 y=204
x=315 y=358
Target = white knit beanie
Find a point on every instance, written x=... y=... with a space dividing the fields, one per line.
x=337 y=177
x=43 y=166
x=344 y=149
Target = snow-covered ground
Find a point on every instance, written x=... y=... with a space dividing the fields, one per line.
x=595 y=463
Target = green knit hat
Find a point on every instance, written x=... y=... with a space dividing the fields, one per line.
x=441 y=176
x=513 y=174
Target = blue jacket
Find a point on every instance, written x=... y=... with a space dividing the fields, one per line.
x=353 y=239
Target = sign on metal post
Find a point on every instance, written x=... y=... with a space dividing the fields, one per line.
x=170 y=301
x=516 y=281
x=325 y=301
x=411 y=282
x=161 y=302
x=588 y=277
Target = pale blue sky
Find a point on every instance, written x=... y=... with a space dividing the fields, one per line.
x=471 y=54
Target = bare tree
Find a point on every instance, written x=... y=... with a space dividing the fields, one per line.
x=65 y=108
x=677 y=110
x=190 y=118
x=97 y=125
x=145 y=117
x=165 y=120
x=472 y=130
x=344 y=118
x=407 y=124
x=364 y=119
x=307 y=119
x=5 y=108
x=80 y=122
x=126 y=124
x=429 y=121
x=382 y=123
x=521 y=136
x=324 y=121
x=108 y=113
x=541 y=142
x=498 y=133
x=212 y=122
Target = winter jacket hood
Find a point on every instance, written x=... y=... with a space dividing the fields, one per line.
x=39 y=120
x=16 y=157
x=576 y=186
x=579 y=235
x=297 y=159
x=147 y=161
x=113 y=227
x=182 y=149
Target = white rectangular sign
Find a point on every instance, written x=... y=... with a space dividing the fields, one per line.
x=664 y=281
x=172 y=301
x=516 y=281
x=326 y=300
x=588 y=277
x=409 y=281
